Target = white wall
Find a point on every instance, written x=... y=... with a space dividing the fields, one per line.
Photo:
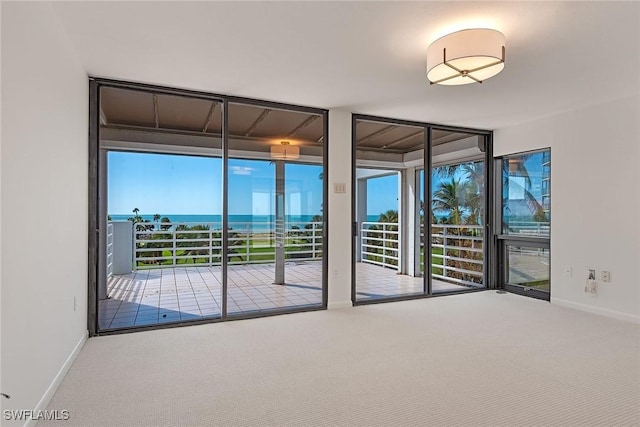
x=339 y=256
x=595 y=201
x=44 y=204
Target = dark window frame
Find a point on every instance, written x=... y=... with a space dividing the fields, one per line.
x=94 y=207
x=503 y=240
x=490 y=252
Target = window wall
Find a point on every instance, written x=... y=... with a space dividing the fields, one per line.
x=395 y=202
x=209 y=207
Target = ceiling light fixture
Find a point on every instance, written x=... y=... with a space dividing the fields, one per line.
x=466 y=56
x=285 y=151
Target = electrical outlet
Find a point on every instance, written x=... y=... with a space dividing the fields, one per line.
x=606 y=276
x=335 y=272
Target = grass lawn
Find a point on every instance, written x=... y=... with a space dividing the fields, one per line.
x=262 y=249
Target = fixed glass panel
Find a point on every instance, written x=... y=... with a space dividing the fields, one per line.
x=387 y=214
x=527 y=266
x=526 y=215
x=526 y=194
x=275 y=207
x=457 y=212
x=303 y=212
x=379 y=234
x=162 y=182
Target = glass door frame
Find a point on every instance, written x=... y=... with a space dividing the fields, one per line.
x=501 y=240
x=97 y=206
x=529 y=242
x=490 y=258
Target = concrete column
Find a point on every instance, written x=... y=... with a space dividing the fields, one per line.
x=410 y=228
x=339 y=210
x=361 y=211
x=102 y=225
x=122 y=247
x=280 y=223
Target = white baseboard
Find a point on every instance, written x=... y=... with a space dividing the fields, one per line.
x=57 y=380
x=339 y=304
x=597 y=310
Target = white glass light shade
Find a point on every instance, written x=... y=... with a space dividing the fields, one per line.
x=285 y=151
x=466 y=56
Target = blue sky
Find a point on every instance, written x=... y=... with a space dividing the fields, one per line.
x=382 y=194
x=184 y=185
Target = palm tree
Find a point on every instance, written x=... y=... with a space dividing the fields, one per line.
x=445 y=171
x=389 y=216
x=136 y=216
x=474 y=199
x=450 y=197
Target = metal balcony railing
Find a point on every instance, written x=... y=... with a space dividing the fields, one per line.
x=457 y=253
x=176 y=244
x=109 y=249
x=379 y=243
x=457 y=250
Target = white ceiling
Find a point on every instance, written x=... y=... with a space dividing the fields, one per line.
x=366 y=57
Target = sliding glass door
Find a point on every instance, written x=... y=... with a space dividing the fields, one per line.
x=457 y=221
x=275 y=210
x=418 y=234
x=161 y=192
x=387 y=157
x=206 y=208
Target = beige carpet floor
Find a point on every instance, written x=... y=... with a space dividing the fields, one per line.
x=479 y=359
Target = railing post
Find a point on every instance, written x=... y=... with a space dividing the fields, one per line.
x=313 y=241
x=444 y=250
x=361 y=242
x=247 y=251
x=174 y=246
x=135 y=248
x=384 y=244
x=211 y=244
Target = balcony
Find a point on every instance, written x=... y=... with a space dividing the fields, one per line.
x=175 y=275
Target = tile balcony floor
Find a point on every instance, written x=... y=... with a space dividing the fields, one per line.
x=153 y=296
x=374 y=282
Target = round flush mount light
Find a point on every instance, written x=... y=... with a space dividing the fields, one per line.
x=467 y=56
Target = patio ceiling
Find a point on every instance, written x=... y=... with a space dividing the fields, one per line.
x=139 y=110
x=131 y=109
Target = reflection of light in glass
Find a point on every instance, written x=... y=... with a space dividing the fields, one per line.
x=241 y=170
x=261 y=204
x=516 y=188
x=295 y=204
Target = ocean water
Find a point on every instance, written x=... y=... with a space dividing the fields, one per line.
x=254 y=223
